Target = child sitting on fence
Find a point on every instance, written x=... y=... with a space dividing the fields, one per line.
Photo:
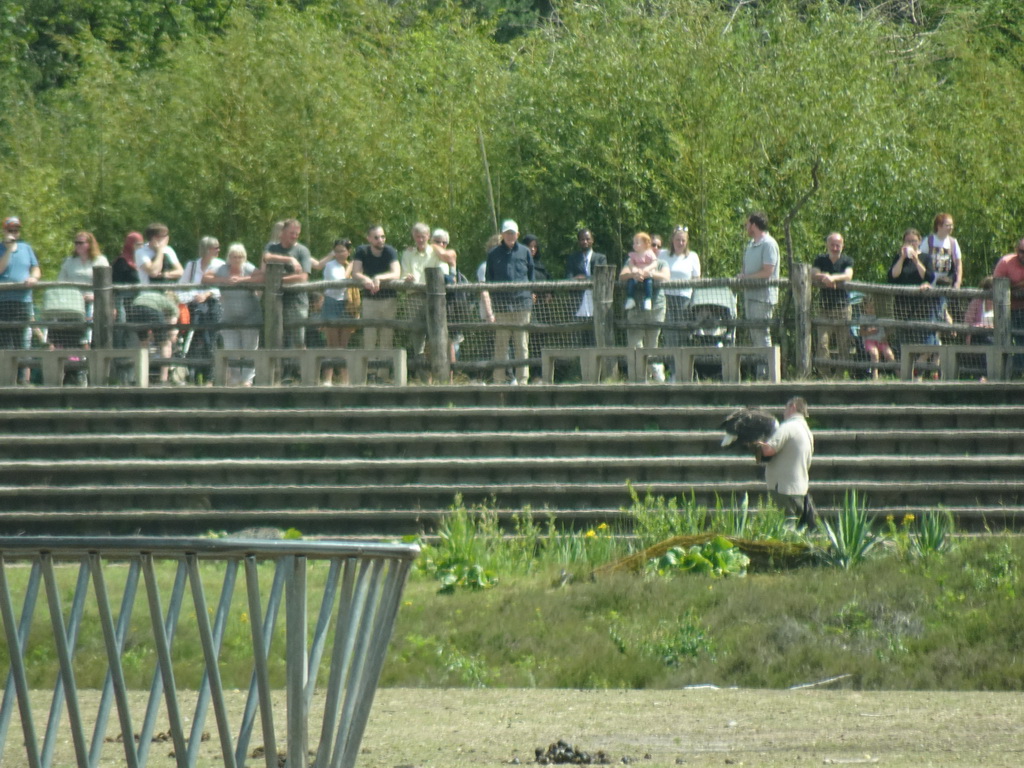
x=642 y=263
x=876 y=342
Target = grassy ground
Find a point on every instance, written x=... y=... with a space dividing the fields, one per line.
x=948 y=622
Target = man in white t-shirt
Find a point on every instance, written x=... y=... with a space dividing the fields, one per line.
x=156 y=260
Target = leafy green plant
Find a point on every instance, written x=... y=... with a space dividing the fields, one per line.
x=850 y=537
x=458 y=560
x=719 y=557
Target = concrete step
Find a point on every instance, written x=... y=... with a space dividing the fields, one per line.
x=347 y=445
x=505 y=471
x=393 y=523
x=818 y=393
x=488 y=419
x=538 y=495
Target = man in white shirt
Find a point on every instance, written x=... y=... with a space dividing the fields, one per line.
x=156 y=260
x=791 y=449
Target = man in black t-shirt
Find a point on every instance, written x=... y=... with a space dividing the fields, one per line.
x=375 y=263
x=830 y=272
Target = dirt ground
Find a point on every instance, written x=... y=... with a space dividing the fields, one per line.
x=700 y=727
x=428 y=728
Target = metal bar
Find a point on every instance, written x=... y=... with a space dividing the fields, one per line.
x=353 y=619
x=323 y=623
x=70 y=635
x=123 y=620
x=156 y=688
x=387 y=610
x=220 y=621
x=210 y=657
x=164 y=665
x=115 y=672
x=27 y=609
x=343 y=641
x=16 y=650
x=25 y=547
x=369 y=597
x=295 y=663
x=261 y=648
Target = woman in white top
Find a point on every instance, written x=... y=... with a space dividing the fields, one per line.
x=683 y=264
x=204 y=309
x=336 y=265
x=947 y=262
x=77 y=268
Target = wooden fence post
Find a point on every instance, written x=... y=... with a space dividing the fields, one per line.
x=604 y=309
x=437 y=326
x=273 y=307
x=800 y=285
x=1002 y=332
x=102 y=308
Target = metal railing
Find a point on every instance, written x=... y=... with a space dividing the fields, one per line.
x=358 y=605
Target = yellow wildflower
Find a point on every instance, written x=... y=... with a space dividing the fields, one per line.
x=603 y=527
x=591 y=534
x=908 y=519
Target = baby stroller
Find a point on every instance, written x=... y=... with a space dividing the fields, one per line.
x=713 y=309
x=66 y=307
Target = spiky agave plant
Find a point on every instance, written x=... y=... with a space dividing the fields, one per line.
x=851 y=537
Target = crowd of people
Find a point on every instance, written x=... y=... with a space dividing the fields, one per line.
x=653 y=278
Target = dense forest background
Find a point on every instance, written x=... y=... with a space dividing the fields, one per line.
x=220 y=116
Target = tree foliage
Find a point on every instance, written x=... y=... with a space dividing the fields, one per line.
x=221 y=117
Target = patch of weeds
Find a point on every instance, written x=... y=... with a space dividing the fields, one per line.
x=470 y=670
x=998 y=573
x=670 y=642
x=731 y=519
x=656 y=518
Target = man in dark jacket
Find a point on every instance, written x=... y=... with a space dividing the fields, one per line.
x=509 y=262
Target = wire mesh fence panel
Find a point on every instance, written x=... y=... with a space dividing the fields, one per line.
x=560 y=317
x=879 y=326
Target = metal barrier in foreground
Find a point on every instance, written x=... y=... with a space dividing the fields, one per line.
x=357 y=593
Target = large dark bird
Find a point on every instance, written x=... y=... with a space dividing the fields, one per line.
x=747 y=427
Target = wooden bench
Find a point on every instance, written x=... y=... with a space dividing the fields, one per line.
x=309 y=362
x=52 y=363
x=730 y=358
x=590 y=360
x=949 y=359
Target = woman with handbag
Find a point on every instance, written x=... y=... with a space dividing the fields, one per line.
x=339 y=303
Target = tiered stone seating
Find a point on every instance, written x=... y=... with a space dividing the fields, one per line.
x=389 y=460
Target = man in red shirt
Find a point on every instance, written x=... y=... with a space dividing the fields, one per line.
x=1011 y=266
